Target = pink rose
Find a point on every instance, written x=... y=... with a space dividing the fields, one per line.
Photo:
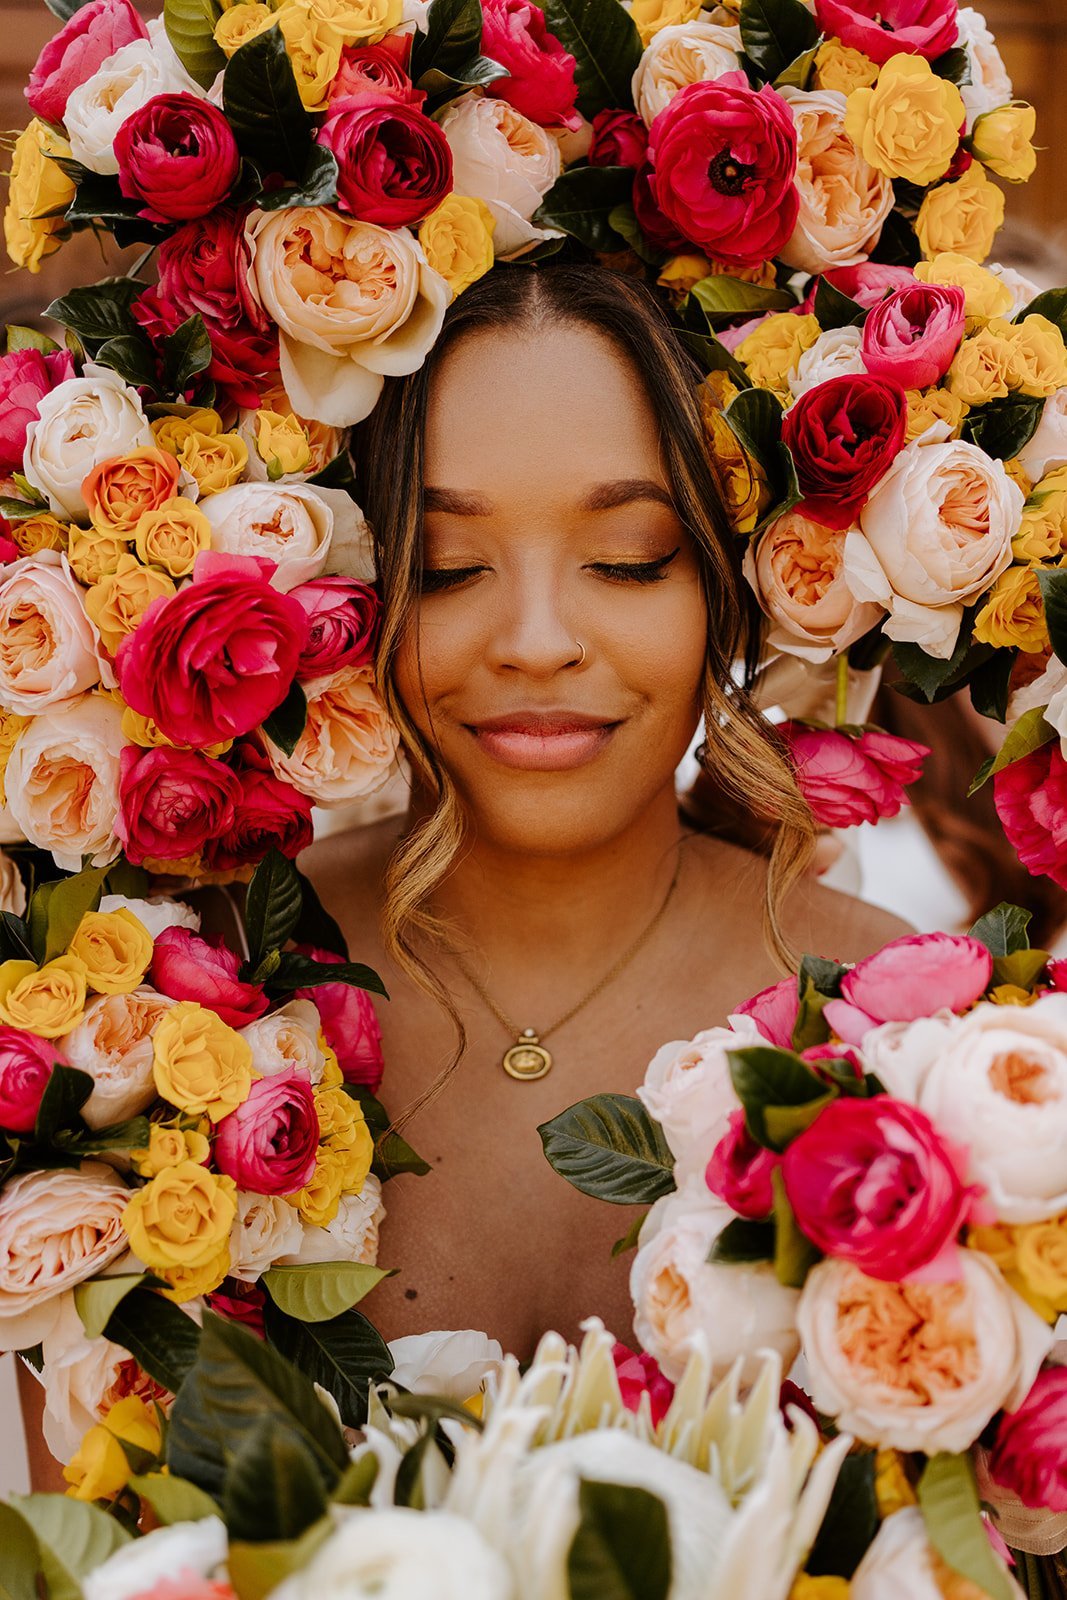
x=620 y=139
x=349 y=1022
x=26 y=376
x=26 y=1063
x=243 y=1303
x=847 y=780
x=914 y=333
x=269 y=815
x=540 y=82
x=178 y=155
x=72 y=57
x=867 y=284
x=910 y=978
x=723 y=159
x=740 y=1171
x=873 y=1183
x=9 y=550
x=171 y=802
x=269 y=1143
x=186 y=967
x=394 y=165
x=884 y=28
x=343 y=618
x=214 y=660
x=1031 y=802
x=638 y=1374
x=1028 y=1455
x=369 y=71
x=774 y=1011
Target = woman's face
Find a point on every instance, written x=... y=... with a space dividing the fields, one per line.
x=549 y=528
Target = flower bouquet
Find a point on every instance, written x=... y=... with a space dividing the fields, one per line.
x=868 y=1167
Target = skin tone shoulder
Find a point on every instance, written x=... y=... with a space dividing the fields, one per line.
x=555 y=664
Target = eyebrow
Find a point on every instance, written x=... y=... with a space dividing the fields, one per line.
x=604 y=497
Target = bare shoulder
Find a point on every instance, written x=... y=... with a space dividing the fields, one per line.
x=348 y=868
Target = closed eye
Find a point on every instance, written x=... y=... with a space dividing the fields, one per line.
x=635 y=571
x=436 y=579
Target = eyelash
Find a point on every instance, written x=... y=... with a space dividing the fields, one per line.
x=434 y=582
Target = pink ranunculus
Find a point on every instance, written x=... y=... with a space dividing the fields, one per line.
x=774 y=1011
x=212 y=662
x=343 y=618
x=171 y=802
x=873 y=1183
x=910 y=978
x=914 y=333
x=26 y=376
x=394 y=165
x=884 y=28
x=844 y=435
x=741 y=1171
x=846 y=779
x=1028 y=1455
x=620 y=139
x=187 y=967
x=723 y=158
x=269 y=815
x=70 y=58
x=178 y=155
x=349 y=1022
x=639 y=1374
x=371 y=70
x=26 y=1063
x=270 y=1142
x=1031 y=802
x=867 y=284
x=660 y=232
x=540 y=82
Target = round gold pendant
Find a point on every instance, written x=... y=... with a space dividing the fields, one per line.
x=527 y=1059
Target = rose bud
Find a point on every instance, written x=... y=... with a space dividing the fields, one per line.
x=349 y=1022
x=740 y=1171
x=186 y=967
x=620 y=139
x=343 y=618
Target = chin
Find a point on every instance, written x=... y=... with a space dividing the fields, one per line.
x=570 y=817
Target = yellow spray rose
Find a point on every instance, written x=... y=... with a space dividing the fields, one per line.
x=42 y=532
x=1041 y=1259
x=839 y=67
x=986 y=294
x=94 y=556
x=908 y=125
x=742 y=482
x=1018 y=474
x=11 y=726
x=679 y=274
x=39 y=189
x=215 y=460
x=343 y=1128
x=120 y=599
x=964 y=216
x=189 y=1283
x=169 y=1146
x=173 y=536
x=314 y=50
x=1000 y=1244
x=1039 y=538
x=892 y=1487
x=171 y=432
x=805 y=1587
x=927 y=406
x=318 y=1200
x=982 y=365
x=771 y=351
x=281 y=442
x=201 y=1065
x=1038 y=362
x=116 y=949
x=1002 y=140
x=1013 y=615
x=48 y=1000
x=652 y=15
x=358 y=21
x=100 y=1469
x=182 y=1217
x=457 y=239
x=240 y=23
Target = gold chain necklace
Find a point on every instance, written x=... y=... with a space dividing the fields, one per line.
x=527 y=1058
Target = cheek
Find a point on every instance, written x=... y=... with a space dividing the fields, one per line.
x=434 y=658
x=659 y=650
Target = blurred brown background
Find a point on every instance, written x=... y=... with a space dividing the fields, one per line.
x=1032 y=35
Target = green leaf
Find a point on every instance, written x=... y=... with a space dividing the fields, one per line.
x=824 y=975
x=21 y=338
x=990 y=685
x=954 y=66
x=285 y=725
x=272 y=907
x=898 y=244
x=158 y=1334
x=131 y=357
x=763 y=1076
x=723 y=297
x=21 y=1556
x=263 y=106
x=622 y=1547
x=1052 y=304
x=756 y=418
x=783 y=1124
x=393 y=1155
x=453 y=37
x=256 y=1569
x=173 y=1499
x=336 y=474
x=100 y=311
x=96 y=1300
x=300 y=972
x=186 y=353
x=798 y=74
x=73 y=1536
x=15 y=939
x=1023 y=738
x=65 y=9
x=743 y=1240
x=1003 y=930
x=440 y=87
x=273 y=1488
x=359 y=1479
x=317 y=1292
x=1004 y=427
x=794 y=1253
x=131 y=1135
x=606 y=48
x=317 y=185
x=630 y=1237
x=431 y=1408
x=1022 y=968
x=68 y=901
x=344 y=1356
x=1053 y=584
x=65 y=1093
x=810 y=1027
x=314 y=925
x=851 y=1520
x=190 y=26
x=932 y=677
x=624 y=220
x=836 y=310
x=609 y=1147
x=775 y=33
x=948 y=1499
x=582 y=201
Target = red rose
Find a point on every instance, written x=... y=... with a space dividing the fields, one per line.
x=657 y=229
x=343 y=618
x=186 y=967
x=78 y=49
x=177 y=154
x=620 y=139
x=844 y=436
x=638 y=1374
x=26 y=1063
x=884 y=28
x=540 y=81
x=212 y=662
x=1031 y=802
x=394 y=166
x=270 y=815
x=241 y=1302
x=369 y=71
x=349 y=1022
x=171 y=802
x=26 y=376
x=723 y=159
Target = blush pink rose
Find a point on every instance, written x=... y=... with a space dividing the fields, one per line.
x=369 y=71
x=910 y=978
x=26 y=376
x=741 y=1171
x=349 y=1022
x=873 y=1183
x=26 y=1063
x=846 y=779
x=723 y=158
x=1031 y=802
x=269 y=815
x=884 y=28
x=774 y=1011
x=178 y=155
x=172 y=802
x=212 y=662
x=343 y=618
x=270 y=1142
x=186 y=967
x=913 y=334
x=639 y=1374
x=1028 y=1455
x=394 y=165
x=540 y=82
x=81 y=46
x=620 y=139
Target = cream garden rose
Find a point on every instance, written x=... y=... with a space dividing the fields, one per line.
x=797 y=570
x=81 y=423
x=113 y=1044
x=989 y=84
x=835 y=354
x=1047 y=450
x=349 y=744
x=455 y=1364
x=81 y=1378
x=681 y=54
x=288 y=1037
x=508 y=162
x=156 y=914
x=126 y=81
x=351 y=1236
x=267 y=1228
x=62 y=782
x=688 y=1090
x=843 y=200
x=302 y=528
x=49 y=653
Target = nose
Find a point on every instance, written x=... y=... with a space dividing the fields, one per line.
x=532 y=631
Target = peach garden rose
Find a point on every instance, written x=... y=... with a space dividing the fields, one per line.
x=797 y=569
x=113 y=1044
x=844 y=200
x=62 y=782
x=349 y=745
x=49 y=653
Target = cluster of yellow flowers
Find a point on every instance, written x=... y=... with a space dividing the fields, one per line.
x=109 y=954
x=1014 y=613
x=1033 y=1258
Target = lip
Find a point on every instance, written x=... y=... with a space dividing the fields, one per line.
x=543 y=741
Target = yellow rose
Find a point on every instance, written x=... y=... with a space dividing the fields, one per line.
x=839 y=67
x=189 y=1283
x=40 y=192
x=11 y=725
x=805 y=1587
x=999 y=1243
x=281 y=442
x=771 y=351
x=318 y=1200
x=200 y=1064
x=332 y=1076
x=142 y=731
x=1002 y=140
x=1038 y=362
x=927 y=406
x=239 y=24
x=652 y=15
x=182 y=1218
x=1042 y=535
x=171 y=432
x=94 y=556
x=343 y=1127
x=742 y=483
x=48 y=1000
x=99 y=1470
x=908 y=125
x=892 y=1486
x=42 y=532
x=314 y=50
x=457 y=240
x=173 y=536
x=215 y=460
x=169 y=1147
x=118 y=602
x=1018 y=474
x=1011 y=994
x=115 y=948
x=1013 y=615
x=1041 y=1260
x=964 y=216
x=680 y=273
x=986 y=294
x=981 y=366
x=358 y=21
x=119 y=491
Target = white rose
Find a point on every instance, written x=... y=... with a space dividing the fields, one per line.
x=57 y=1228
x=935 y=534
x=62 y=782
x=124 y=83
x=989 y=85
x=843 y=200
x=835 y=354
x=507 y=161
x=267 y=1228
x=918 y=1366
x=113 y=1044
x=688 y=1090
x=351 y=1236
x=79 y=1376
x=79 y=424
x=796 y=567
x=349 y=745
x=684 y=53
x=158 y=913
x=901 y=1564
x=1023 y=289
x=1047 y=450
x=12 y=888
x=184 y=1550
x=900 y=1054
x=288 y=1037
x=303 y=529
x=401 y=1554
x=454 y=1364
x=48 y=649
x=683 y=1303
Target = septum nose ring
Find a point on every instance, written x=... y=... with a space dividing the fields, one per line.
x=581 y=659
